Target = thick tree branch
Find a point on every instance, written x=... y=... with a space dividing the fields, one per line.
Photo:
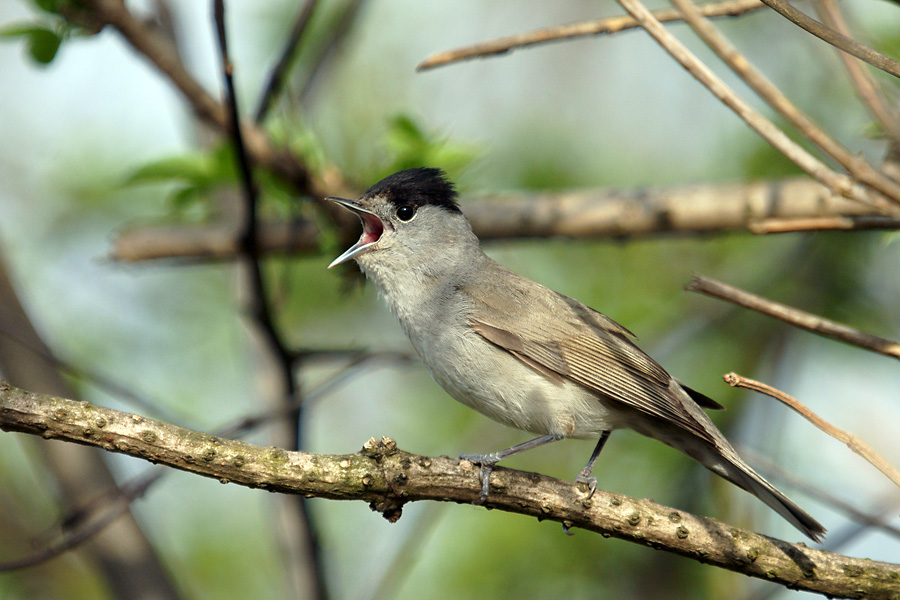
x=100 y=512
x=761 y=207
x=388 y=478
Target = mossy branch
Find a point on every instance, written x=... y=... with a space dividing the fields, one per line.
x=387 y=478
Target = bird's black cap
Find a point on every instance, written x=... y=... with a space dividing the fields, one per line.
x=417 y=187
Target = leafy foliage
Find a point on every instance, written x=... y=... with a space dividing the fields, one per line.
x=409 y=146
x=44 y=36
x=42 y=43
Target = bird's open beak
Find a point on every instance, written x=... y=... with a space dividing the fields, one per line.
x=373 y=227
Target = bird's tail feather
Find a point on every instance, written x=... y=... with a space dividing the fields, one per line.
x=742 y=475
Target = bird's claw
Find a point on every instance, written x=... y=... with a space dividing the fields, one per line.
x=484 y=475
x=589 y=482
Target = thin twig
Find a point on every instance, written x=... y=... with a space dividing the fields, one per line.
x=610 y=25
x=840 y=184
x=829 y=35
x=866 y=87
x=279 y=71
x=850 y=440
x=860 y=169
x=794 y=316
x=833 y=223
x=336 y=36
x=89 y=521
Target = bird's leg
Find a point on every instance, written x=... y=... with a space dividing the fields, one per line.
x=585 y=476
x=487 y=461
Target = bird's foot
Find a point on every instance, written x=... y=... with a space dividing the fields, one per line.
x=487 y=462
x=589 y=482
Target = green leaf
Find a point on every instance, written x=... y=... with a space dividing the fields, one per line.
x=43 y=43
x=410 y=146
x=50 y=6
x=192 y=168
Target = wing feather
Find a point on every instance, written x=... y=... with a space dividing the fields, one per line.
x=582 y=345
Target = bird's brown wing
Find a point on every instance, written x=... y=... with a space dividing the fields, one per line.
x=561 y=337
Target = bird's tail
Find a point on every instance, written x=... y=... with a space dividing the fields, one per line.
x=735 y=470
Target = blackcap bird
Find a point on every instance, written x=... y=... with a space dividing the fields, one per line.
x=523 y=354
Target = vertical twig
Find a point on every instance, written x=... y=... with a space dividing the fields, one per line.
x=259 y=305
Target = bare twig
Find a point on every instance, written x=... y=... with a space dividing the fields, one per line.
x=388 y=478
x=833 y=223
x=851 y=441
x=610 y=25
x=279 y=71
x=90 y=521
x=248 y=244
x=861 y=170
x=840 y=184
x=337 y=35
x=866 y=87
x=842 y=42
x=794 y=316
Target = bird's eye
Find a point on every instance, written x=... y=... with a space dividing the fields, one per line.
x=405 y=213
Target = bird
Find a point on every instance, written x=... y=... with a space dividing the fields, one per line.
x=521 y=353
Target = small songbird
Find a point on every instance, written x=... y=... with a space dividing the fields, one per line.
x=521 y=353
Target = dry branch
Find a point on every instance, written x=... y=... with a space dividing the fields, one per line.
x=788 y=204
x=839 y=41
x=388 y=478
x=837 y=182
x=794 y=316
x=858 y=167
x=865 y=85
x=851 y=441
x=570 y=31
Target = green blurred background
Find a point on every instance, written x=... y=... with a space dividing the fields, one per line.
x=608 y=111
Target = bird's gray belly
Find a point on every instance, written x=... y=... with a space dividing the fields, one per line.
x=496 y=383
